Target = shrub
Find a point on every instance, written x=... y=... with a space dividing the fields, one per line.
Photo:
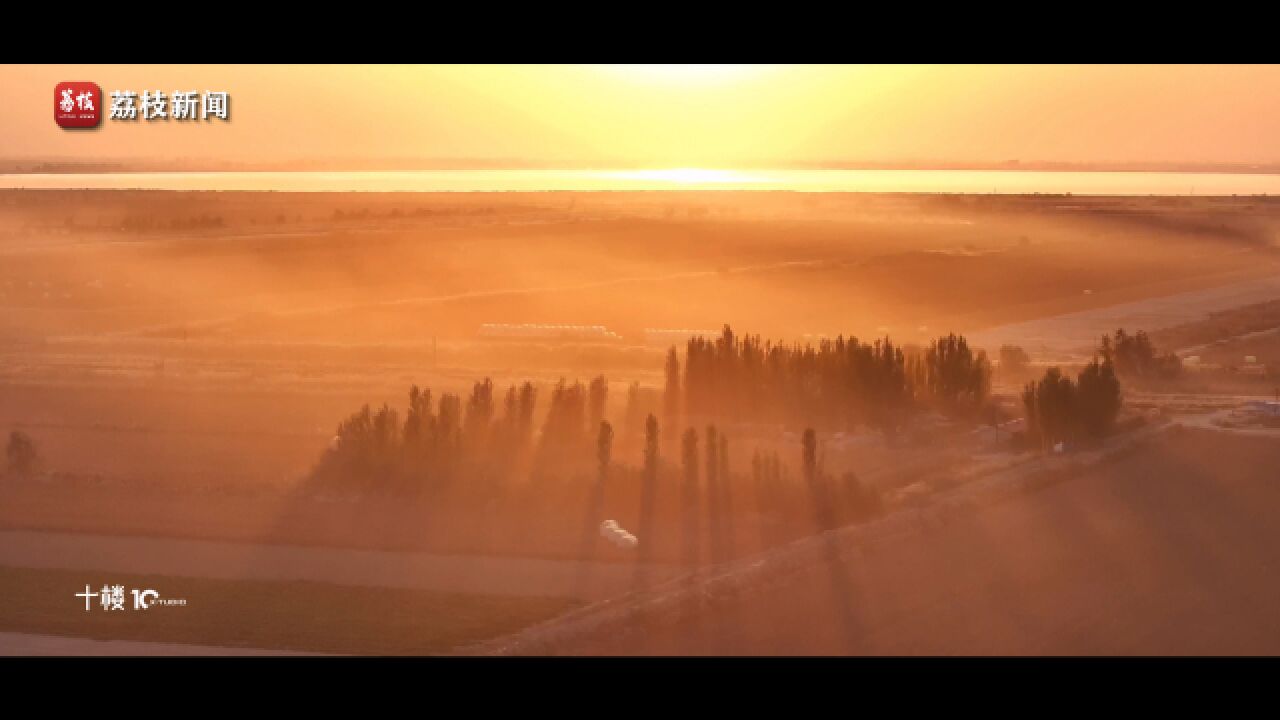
x=21 y=453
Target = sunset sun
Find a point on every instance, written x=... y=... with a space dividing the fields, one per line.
x=685 y=74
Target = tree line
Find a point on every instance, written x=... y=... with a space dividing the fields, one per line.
x=442 y=442
x=1135 y=357
x=837 y=384
x=1060 y=410
x=692 y=506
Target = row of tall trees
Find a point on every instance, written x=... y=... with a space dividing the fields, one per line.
x=692 y=507
x=1135 y=357
x=477 y=438
x=837 y=384
x=455 y=449
x=952 y=375
x=708 y=488
x=1060 y=410
x=442 y=440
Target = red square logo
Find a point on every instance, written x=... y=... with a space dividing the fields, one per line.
x=77 y=104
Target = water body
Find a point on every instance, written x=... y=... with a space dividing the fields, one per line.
x=871 y=181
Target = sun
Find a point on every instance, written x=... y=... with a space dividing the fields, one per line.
x=659 y=178
x=684 y=74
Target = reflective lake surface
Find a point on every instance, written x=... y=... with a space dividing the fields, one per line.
x=688 y=179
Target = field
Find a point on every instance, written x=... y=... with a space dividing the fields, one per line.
x=181 y=361
x=279 y=616
x=219 y=337
x=1169 y=550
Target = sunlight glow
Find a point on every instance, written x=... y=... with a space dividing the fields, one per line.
x=684 y=74
x=685 y=176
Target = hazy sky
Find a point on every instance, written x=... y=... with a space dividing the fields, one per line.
x=674 y=115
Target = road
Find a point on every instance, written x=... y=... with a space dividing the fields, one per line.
x=1235 y=424
x=471 y=574
x=1077 y=332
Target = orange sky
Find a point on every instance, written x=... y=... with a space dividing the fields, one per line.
x=684 y=116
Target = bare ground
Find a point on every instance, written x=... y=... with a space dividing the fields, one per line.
x=1171 y=549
